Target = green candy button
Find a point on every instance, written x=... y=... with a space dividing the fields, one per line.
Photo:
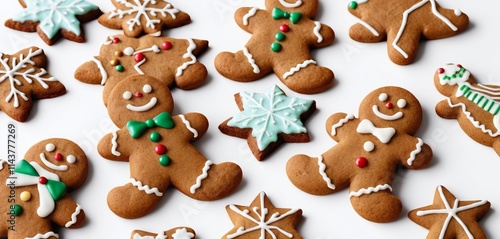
x=164 y=160
x=119 y=68
x=280 y=36
x=155 y=137
x=16 y=209
x=353 y=5
x=276 y=47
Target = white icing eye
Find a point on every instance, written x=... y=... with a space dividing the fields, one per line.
x=457 y=12
x=128 y=51
x=127 y=95
x=147 y=88
x=71 y=159
x=50 y=147
x=401 y=103
x=383 y=97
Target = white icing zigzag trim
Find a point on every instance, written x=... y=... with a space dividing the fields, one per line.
x=316 y=30
x=189 y=54
x=340 y=123
x=475 y=123
x=201 y=177
x=249 y=56
x=104 y=74
x=415 y=152
x=114 y=144
x=370 y=190
x=73 y=216
x=188 y=126
x=250 y=13
x=44 y=236
x=298 y=67
x=145 y=188
x=322 y=168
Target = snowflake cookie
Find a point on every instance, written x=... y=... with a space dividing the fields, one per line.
x=449 y=218
x=475 y=106
x=53 y=18
x=139 y=17
x=23 y=79
x=269 y=119
x=262 y=220
x=403 y=23
x=174 y=233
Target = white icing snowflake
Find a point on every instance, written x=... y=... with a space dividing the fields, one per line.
x=182 y=234
x=141 y=9
x=13 y=73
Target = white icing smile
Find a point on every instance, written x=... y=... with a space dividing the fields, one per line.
x=291 y=5
x=383 y=116
x=51 y=165
x=142 y=108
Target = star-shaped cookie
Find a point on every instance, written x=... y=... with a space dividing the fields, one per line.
x=139 y=17
x=52 y=18
x=266 y=120
x=174 y=233
x=23 y=79
x=262 y=220
x=403 y=23
x=449 y=218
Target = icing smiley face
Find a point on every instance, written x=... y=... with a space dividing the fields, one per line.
x=139 y=97
x=58 y=157
x=383 y=97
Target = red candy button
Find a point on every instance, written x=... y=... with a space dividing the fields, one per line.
x=160 y=149
x=440 y=70
x=139 y=57
x=115 y=40
x=138 y=94
x=58 y=157
x=42 y=180
x=166 y=45
x=361 y=162
x=284 y=28
x=389 y=105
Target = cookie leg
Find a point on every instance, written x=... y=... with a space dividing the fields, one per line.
x=402 y=46
x=375 y=203
x=241 y=66
x=305 y=76
x=363 y=32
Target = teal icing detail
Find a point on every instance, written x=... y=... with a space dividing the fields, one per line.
x=55 y=15
x=270 y=114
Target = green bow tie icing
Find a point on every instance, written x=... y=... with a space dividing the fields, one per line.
x=293 y=16
x=137 y=128
x=56 y=189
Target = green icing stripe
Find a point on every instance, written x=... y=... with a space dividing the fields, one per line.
x=481 y=100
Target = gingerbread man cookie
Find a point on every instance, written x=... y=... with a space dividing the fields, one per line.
x=138 y=17
x=282 y=36
x=475 y=106
x=37 y=188
x=23 y=79
x=53 y=18
x=174 y=233
x=369 y=150
x=449 y=218
x=172 y=61
x=403 y=23
x=158 y=148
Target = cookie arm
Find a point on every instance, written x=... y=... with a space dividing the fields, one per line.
x=194 y=125
x=249 y=18
x=113 y=146
x=320 y=35
x=68 y=213
x=338 y=124
x=444 y=109
x=417 y=154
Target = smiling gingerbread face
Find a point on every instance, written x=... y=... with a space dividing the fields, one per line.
x=138 y=97
x=392 y=107
x=61 y=157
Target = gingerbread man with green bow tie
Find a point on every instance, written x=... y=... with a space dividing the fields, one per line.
x=282 y=36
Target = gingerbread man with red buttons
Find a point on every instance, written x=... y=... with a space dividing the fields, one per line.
x=367 y=155
x=282 y=36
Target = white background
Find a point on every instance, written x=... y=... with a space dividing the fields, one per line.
x=466 y=168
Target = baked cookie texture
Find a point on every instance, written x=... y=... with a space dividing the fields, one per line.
x=449 y=218
x=282 y=37
x=370 y=148
x=41 y=183
x=475 y=106
x=23 y=78
x=143 y=17
x=172 y=61
x=52 y=19
x=158 y=147
x=174 y=233
x=403 y=23
x=267 y=120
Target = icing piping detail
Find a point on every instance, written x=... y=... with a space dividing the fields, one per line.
x=340 y=123
x=182 y=234
x=145 y=188
x=73 y=216
x=104 y=74
x=291 y=5
x=249 y=56
x=189 y=54
x=44 y=236
x=138 y=65
x=188 y=126
x=114 y=144
x=322 y=168
x=370 y=190
x=201 y=177
x=316 y=30
x=415 y=152
x=143 y=108
x=383 y=134
x=142 y=10
x=383 y=116
x=250 y=13
x=51 y=165
x=475 y=123
x=298 y=67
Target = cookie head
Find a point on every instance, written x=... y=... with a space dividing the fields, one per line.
x=451 y=76
x=61 y=157
x=392 y=107
x=138 y=97
x=307 y=8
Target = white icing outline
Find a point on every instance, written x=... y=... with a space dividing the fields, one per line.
x=73 y=216
x=316 y=30
x=369 y=27
x=142 y=108
x=145 y=188
x=188 y=54
x=182 y=234
x=383 y=116
x=250 y=13
x=322 y=168
x=202 y=176
x=104 y=74
x=475 y=123
x=51 y=165
x=188 y=126
x=418 y=148
x=44 y=236
x=291 y=5
x=114 y=145
x=249 y=56
x=298 y=67
x=452 y=213
x=158 y=236
x=370 y=190
x=341 y=123
x=137 y=66
x=405 y=19
x=156 y=34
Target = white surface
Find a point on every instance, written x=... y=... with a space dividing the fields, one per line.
x=465 y=167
